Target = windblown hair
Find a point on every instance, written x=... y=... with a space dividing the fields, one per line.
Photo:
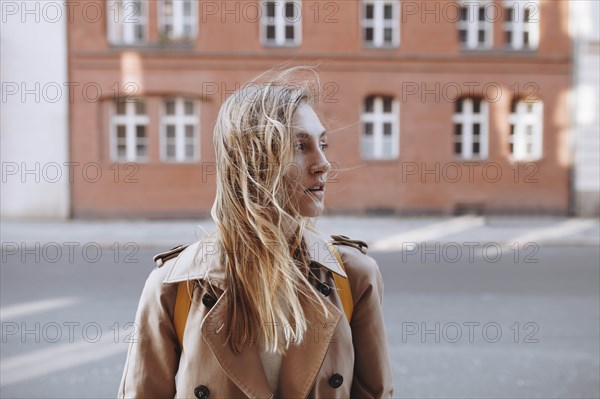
x=259 y=225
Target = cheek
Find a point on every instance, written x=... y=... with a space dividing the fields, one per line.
x=295 y=171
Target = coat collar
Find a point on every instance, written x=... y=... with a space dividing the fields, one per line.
x=202 y=260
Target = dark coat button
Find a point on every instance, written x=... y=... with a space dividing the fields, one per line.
x=336 y=380
x=209 y=300
x=325 y=289
x=201 y=392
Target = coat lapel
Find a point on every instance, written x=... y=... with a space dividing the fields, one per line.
x=246 y=369
x=302 y=363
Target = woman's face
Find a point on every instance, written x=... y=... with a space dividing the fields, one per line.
x=310 y=166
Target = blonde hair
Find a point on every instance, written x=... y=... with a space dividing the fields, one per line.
x=259 y=225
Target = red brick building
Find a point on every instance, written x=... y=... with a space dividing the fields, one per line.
x=433 y=106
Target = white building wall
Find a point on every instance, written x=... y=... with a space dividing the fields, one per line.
x=34 y=115
x=585 y=28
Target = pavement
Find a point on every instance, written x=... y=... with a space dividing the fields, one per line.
x=381 y=233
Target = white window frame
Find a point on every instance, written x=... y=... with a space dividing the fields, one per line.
x=130 y=119
x=528 y=115
x=179 y=120
x=379 y=23
x=178 y=20
x=518 y=27
x=467 y=118
x=473 y=25
x=122 y=22
x=378 y=118
x=280 y=21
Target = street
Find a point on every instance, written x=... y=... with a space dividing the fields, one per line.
x=520 y=325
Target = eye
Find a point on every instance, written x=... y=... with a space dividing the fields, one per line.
x=324 y=145
x=300 y=146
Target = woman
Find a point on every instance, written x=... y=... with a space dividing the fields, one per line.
x=266 y=318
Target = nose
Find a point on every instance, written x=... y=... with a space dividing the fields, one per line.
x=321 y=164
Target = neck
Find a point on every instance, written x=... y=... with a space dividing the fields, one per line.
x=291 y=228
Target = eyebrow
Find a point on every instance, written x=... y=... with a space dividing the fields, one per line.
x=305 y=135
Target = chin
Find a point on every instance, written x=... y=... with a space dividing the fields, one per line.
x=311 y=211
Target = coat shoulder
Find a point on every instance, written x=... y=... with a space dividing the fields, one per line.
x=360 y=267
x=339 y=239
x=161 y=258
x=200 y=260
x=364 y=276
x=165 y=262
x=158 y=298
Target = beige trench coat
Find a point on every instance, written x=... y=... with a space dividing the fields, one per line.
x=335 y=360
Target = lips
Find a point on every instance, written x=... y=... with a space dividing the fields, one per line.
x=315 y=188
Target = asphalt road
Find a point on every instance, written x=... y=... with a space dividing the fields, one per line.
x=521 y=325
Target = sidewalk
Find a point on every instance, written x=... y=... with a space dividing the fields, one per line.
x=381 y=233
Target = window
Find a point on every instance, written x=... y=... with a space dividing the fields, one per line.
x=521 y=24
x=128 y=131
x=380 y=26
x=470 y=128
x=127 y=21
x=526 y=127
x=179 y=130
x=178 y=18
x=380 y=130
x=281 y=23
x=474 y=26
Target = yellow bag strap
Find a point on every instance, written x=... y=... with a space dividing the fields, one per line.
x=182 y=308
x=183 y=302
x=343 y=285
